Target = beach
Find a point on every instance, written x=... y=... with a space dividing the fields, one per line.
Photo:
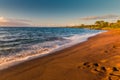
x=98 y=58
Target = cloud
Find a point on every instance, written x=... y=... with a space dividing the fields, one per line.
x=101 y=17
x=14 y=22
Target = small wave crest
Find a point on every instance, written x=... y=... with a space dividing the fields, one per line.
x=33 y=51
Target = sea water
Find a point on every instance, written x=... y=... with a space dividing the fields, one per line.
x=20 y=44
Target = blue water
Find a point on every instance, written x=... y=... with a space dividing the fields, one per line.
x=14 y=41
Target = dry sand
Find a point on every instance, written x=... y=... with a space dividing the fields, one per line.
x=96 y=59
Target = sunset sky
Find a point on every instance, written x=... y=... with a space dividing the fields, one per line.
x=57 y=12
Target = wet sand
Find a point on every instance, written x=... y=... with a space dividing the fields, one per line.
x=96 y=59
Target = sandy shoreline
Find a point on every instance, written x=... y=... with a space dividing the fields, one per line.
x=96 y=59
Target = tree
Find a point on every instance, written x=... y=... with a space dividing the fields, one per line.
x=118 y=21
x=97 y=22
x=106 y=24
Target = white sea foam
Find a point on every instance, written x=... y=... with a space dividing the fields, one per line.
x=42 y=49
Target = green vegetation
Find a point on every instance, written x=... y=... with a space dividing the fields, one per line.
x=101 y=25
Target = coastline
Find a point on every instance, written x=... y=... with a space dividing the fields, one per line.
x=89 y=60
x=23 y=56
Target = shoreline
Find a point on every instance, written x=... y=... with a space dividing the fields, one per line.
x=88 y=60
x=16 y=60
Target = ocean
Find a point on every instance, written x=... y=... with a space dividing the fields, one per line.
x=21 y=44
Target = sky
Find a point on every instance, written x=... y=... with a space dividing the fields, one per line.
x=57 y=12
